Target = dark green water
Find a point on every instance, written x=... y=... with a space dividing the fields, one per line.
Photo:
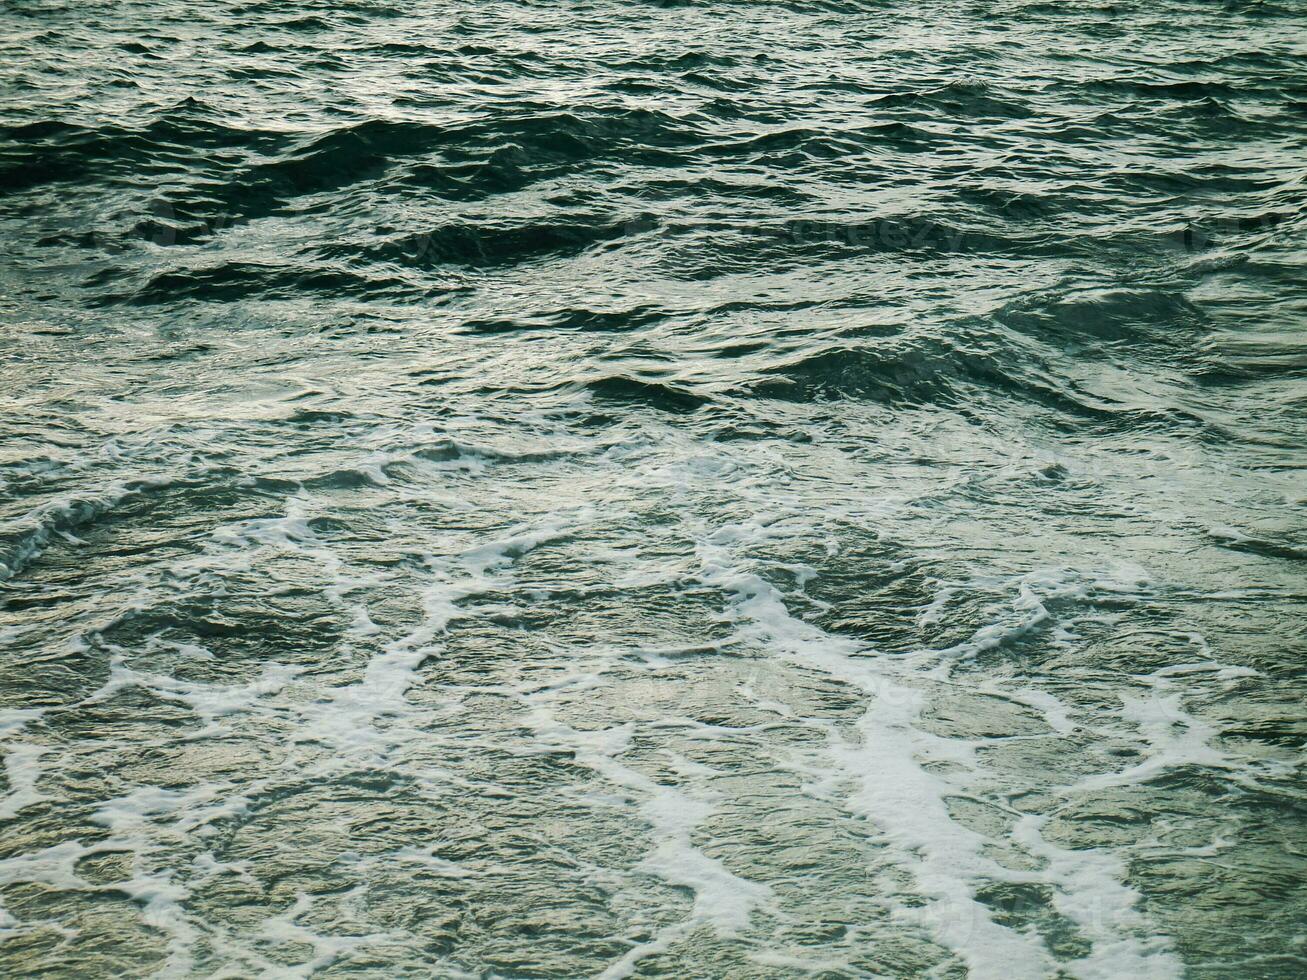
x=601 y=489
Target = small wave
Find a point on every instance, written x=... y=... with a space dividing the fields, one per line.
x=24 y=539
x=1118 y=316
x=598 y=321
x=1233 y=359
x=490 y=245
x=967 y=100
x=890 y=376
x=230 y=281
x=650 y=394
x=909 y=371
x=53 y=151
x=1237 y=540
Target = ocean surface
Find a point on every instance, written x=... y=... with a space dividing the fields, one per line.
x=693 y=490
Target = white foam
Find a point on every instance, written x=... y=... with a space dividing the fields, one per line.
x=53 y=866
x=285 y=928
x=22 y=769
x=206 y=866
x=908 y=802
x=1055 y=714
x=1222 y=672
x=660 y=943
x=209 y=702
x=1090 y=893
x=723 y=901
x=1172 y=738
x=348 y=718
x=22 y=762
x=803 y=964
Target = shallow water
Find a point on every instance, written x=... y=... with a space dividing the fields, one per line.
x=653 y=489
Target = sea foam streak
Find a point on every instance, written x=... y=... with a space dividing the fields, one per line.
x=889 y=762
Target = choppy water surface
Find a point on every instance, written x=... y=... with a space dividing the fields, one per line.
x=724 y=489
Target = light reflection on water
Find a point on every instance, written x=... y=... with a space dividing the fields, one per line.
x=652 y=490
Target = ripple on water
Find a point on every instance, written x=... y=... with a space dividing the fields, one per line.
x=638 y=489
